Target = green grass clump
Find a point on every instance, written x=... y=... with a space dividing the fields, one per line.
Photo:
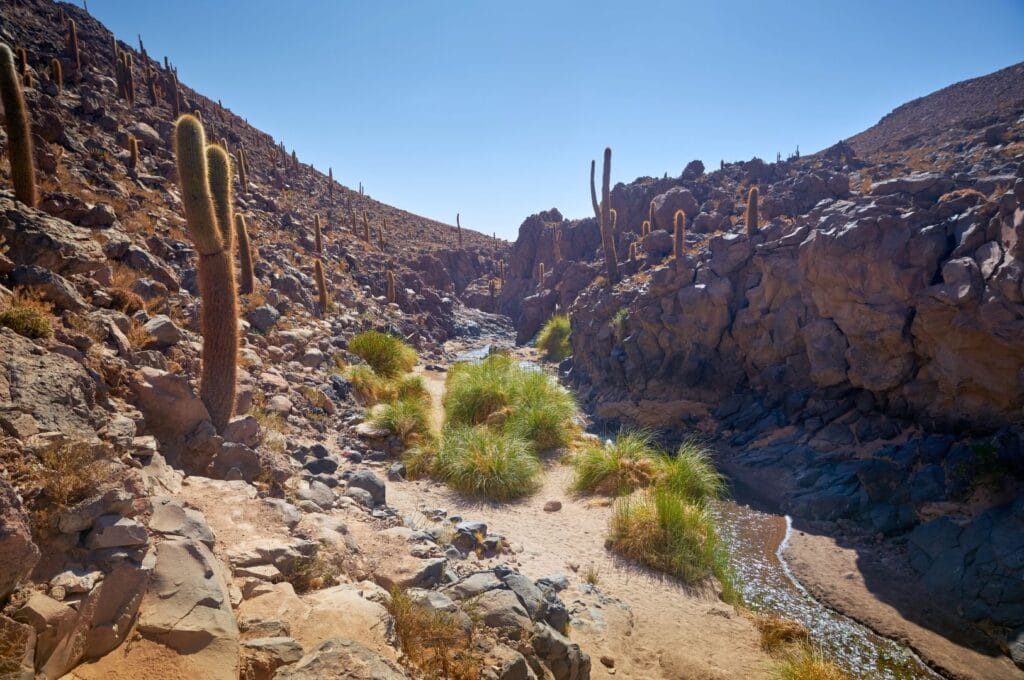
x=691 y=474
x=661 y=530
x=370 y=387
x=387 y=355
x=808 y=664
x=408 y=418
x=480 y=461
x=501 y=393
x=553 y=338
x=620 y=467
x=27 y=321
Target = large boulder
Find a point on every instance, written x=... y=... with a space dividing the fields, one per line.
x=342 y=660
x=18 y=554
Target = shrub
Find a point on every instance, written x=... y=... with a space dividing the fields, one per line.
x=411 y=385
x=386 y=354
x=408 y=418
x=808 y=664
x=690 y=474
x=777 y=633
x=553 y=338
x=28 y=314
x=479 y=461
x=542 y=411
x=474 y=392
x=370 y=387
x=420 y=459
x=433 y=640
x=664 y=532
x=620 y=467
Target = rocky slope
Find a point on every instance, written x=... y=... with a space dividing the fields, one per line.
x=858 y=359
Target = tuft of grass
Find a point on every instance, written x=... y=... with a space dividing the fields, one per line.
x=553 y=338
x=620 y=467
x=369 y=387
x=778 y=633
x=28 y=314
x=387 y=355
x=476 y=391
x=408 y=418
x=479 y=461
x=592 y=574
x=433 y=641
x=661 y=530
x=312 y=572
x=411 y=386
x=808 y=664
x=420 y=459
x=691 y=474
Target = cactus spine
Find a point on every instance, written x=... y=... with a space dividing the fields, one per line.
x=751 y=217
x=219 y=312
x=391 y=286
x=606 y=216
x=57 y=74
x=133 y=152
x=72 y=46
x=19 y=136
x=247 y=279
x=679 y=242
x=458 y=228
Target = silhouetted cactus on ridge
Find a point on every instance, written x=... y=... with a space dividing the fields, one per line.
x=679 y=240
x=751 y=216
x=19 y=134
x=606 y=217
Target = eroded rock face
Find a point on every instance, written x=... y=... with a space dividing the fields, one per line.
x=342 y=659
x=18 y=554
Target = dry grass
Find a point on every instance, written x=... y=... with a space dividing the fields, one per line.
x=137 y=335
x=778 y=633
x=808 y=663
x=960 y=193
x=28 y=314
x=433 y=641
x=314 y=572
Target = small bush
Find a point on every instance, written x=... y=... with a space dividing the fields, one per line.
x=542 y=411
x=124 y=300
x=433 y=641
x=420 y=459
x=690 y=474
x=369 y=387
x=411 y=385
x=664 y=532
x=476 y=391
x=553 y=338
x=808 y=664
x=386 y=354
x=407 y=418
x=620 y=467
x=778 y=633
x=28 y=315
x=479 y=461
x=313 y=572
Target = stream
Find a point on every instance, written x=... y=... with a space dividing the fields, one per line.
x=756 y=540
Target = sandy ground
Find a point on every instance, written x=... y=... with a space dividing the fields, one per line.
x=666 y=631
x=858 y=584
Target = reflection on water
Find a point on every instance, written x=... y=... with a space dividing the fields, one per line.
x=756 y=540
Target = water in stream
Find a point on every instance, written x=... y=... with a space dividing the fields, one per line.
x=756 y=541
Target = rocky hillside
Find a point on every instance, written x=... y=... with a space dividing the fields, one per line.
x=858 y=356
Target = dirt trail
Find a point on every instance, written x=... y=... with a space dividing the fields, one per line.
x=665 y=631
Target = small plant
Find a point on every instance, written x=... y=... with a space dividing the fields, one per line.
x=479 y=461
x=592 y=574
x=386 y=354
x=28 y=315
x=433 y=641
x=659 y=529
x=312 y=572
x=553 y=338
x=808 y=663
x=617 y=468
x=407 y=418
x=778 y=633
x=690 y=474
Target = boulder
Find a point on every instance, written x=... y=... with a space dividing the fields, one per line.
x=563 y=658
x=18 y=554
x=501 y=609
x=344 y=660
x=666 y=204
x=171 y=409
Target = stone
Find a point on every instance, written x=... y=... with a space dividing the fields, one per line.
x=344 y=660
x=279 y=404
x=405 y=571
x=20 y=647
x=170 y=407
x=371 y=483
x=187 y=607
x=563 y=658
x=474 y=584
x=528 y=593
x=501 y=609
x=552 y=506
x=163 y=333
x=114 y=531
x=32 y=237
x=243 y=430
x=262 y=656
x=171 y=518
x=18 y=553
x=263 y=318
x=49 y=286
x=82 y=515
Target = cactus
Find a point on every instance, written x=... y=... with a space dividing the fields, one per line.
x=606 y=216
x=380 y=233
x=645 y=228
x=366 y=227
x=27 y=81
x=219 y=312
x=540 y=274
x=243 y=170
x=133 y=152
x=295 y=161
x=19 y=136
x=173 y=96
x=72 y=46
x=632 y=250
x=330 y=182
x=318 y=235
x=129 y=78
x=22 y=62
x=751 y=217
x=247 y=279
x=219 y=168
x=391 y=287
x=679 y=242
x=556 y=244
x=57 y=74
x=492 y=288
x=458 y=228
x=650 y=217
x=321 y=285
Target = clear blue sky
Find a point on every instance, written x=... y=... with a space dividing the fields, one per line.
x=494 y=109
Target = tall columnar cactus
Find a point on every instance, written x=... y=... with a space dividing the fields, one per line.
x=366 y=227
x=501 y=271
x=380 y=233
x=173 y=96
x=318 y=234
x=219 y=168
x=650 y=217
x=605 y=216
x=22 y=61
x=492 y=288
x=219 y=312
x=540 y=275
x=72 y=46
x=246 y=278
x=19 y=135
x=243 y=170
x=321 y=285
x=556 y=244
x=679 y=242
x=129 y=79
x=391 y=287
x=133 y=152
x=330 y=182
x=57 y=74
x=458 y=229
x=295 y=161
x=632 y=250
x=645 y=228
x=751 y=217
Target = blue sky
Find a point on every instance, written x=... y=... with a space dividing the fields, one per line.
x=495 y=109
